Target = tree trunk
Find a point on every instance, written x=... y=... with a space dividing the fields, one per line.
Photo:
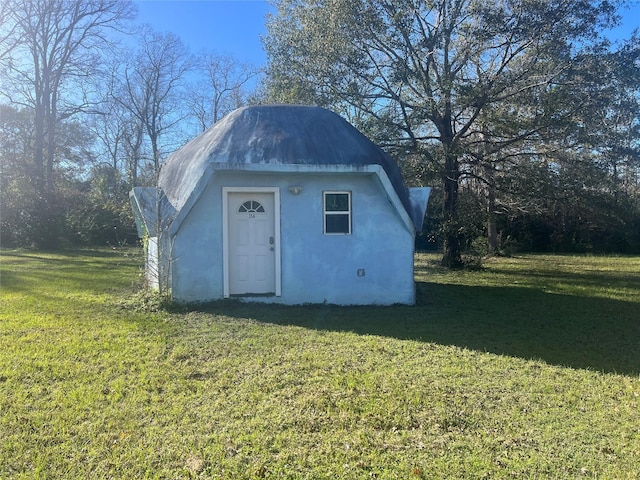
x=493 y=244
x=155 y=151
x=41 y=234
x=52 y=126
x=38 y=150
x=492 y=227
x=451 y=256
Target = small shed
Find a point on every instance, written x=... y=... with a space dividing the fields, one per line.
x=285 y=204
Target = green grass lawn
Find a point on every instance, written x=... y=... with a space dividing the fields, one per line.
x=528 y=368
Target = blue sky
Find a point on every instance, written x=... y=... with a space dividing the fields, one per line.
x=234 y=27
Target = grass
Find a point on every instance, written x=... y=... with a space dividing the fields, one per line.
x=528 y=368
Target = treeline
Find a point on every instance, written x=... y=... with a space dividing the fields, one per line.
x=524 y=116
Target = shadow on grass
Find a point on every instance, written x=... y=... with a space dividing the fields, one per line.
x=521 y=321
x=573 y=331
x=566 y=330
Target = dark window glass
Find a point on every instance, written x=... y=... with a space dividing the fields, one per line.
x=336 y=202
x=337 y=224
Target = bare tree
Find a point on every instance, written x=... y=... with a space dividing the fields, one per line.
x=59 y=46
x=226 y=86
x=9 y=37
x=151 y=91
x=119 y=132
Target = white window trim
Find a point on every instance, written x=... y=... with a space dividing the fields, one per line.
x=325 y=212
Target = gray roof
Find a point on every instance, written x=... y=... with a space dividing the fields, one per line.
x=274 y=134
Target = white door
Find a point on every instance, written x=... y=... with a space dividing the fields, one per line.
x=251 y=243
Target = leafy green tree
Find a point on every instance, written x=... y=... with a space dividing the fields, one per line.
x=99 y=211
x=576 y=181
x=20 y=222
x=17 y=194
x=438 y=73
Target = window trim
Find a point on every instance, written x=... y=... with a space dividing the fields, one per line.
x=326 y=212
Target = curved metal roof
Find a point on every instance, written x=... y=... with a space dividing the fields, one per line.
x=274 y=134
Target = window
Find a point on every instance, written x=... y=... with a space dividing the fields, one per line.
x=337 y=213
x=251 y=206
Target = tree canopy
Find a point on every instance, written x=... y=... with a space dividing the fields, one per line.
x=474 y=92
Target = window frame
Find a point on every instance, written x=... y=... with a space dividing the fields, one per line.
x=252 y=208
x=326 y=213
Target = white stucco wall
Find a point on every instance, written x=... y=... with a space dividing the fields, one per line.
x=315 y=268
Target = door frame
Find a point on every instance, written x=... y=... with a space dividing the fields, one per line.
x=225 y=232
